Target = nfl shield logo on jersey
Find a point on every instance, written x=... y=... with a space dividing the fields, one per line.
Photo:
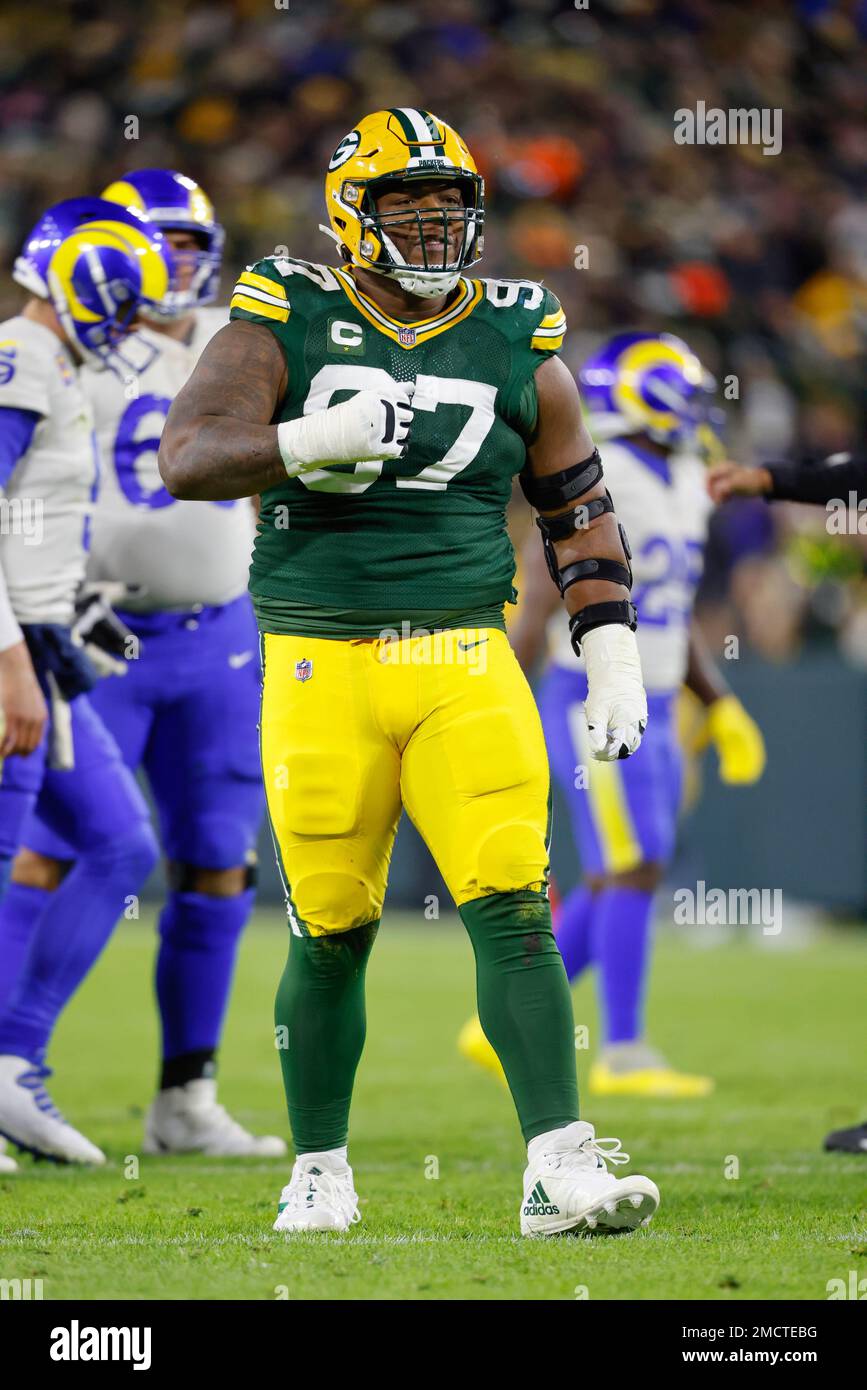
x=303 y=669
x=406 y=337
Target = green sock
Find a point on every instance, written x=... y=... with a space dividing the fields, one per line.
x=525 y=1007
x=321 y=1022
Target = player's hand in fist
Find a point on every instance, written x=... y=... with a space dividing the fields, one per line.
x=371 y=426
x=737 y=739
x=729 y=479
x=107 y=641
x=616 y=704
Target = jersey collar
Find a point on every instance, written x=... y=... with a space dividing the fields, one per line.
x=410 y=335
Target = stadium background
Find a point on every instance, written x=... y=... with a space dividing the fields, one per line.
x=760 y=262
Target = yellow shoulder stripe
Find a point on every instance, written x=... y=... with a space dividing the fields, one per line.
x=260 y=307
x=550 y=332
x=547 y=342
x=261 y=282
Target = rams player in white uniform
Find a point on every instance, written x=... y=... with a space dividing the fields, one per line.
x=88 y=266
x=186 y=709
x=646 y=396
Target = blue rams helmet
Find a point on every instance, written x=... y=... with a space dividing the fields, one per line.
x=99 y=266
x=174 y=203
x=646 y=383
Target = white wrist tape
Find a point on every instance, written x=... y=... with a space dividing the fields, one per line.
x=372 y=425
x=616 y=704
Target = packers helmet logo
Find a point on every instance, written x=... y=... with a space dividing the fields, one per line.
x=345 y=150
x=398 y=144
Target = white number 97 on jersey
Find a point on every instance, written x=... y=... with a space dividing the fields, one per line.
x=428 y=393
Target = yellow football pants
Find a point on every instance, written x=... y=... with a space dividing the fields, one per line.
x=442 y=725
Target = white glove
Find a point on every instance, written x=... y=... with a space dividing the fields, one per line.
x=616 y=704
x=372 y=425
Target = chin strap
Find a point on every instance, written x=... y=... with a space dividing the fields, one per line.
x=426 y=284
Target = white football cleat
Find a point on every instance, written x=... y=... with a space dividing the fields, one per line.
x=7 y=1162
x=189 y=1119
x=29 y=1117
x=567 y=1186
x=320 y=1196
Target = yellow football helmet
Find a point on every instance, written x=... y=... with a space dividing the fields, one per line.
x=391 y=147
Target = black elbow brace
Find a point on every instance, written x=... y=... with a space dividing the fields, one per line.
x=558 y=490
x=559 y=528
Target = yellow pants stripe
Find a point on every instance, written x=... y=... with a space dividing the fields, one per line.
x=609 y=808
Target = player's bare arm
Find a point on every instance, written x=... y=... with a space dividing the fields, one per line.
x=703 y=676
x=731 y=479
x=218 y=441
x=588 y=561
x=23 y=707
x=735 y=735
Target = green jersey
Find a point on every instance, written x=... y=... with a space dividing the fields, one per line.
x=420 y=540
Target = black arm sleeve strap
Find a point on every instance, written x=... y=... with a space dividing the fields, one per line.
x=598 y=615
x=560 y=528
x=557 y=490
x=593 y=569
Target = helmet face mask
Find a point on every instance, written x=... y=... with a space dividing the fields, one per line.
x=97 y=313
x=641 y=383
x=110 y=345
x=428 y=224
x=390 y=151
x=98 y=265
x=174 y=203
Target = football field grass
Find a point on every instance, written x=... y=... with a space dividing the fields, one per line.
x=751 y=1206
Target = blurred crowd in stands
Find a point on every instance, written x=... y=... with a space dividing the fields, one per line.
x=759 y=260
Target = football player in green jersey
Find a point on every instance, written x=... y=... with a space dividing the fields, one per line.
x=382 y=408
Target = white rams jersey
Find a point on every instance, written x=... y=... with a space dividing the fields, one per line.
x=48 y=500
x=666 y=521
x=180 y=553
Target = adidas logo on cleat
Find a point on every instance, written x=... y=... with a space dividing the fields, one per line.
x=311 y=1191
x=540 y=1203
